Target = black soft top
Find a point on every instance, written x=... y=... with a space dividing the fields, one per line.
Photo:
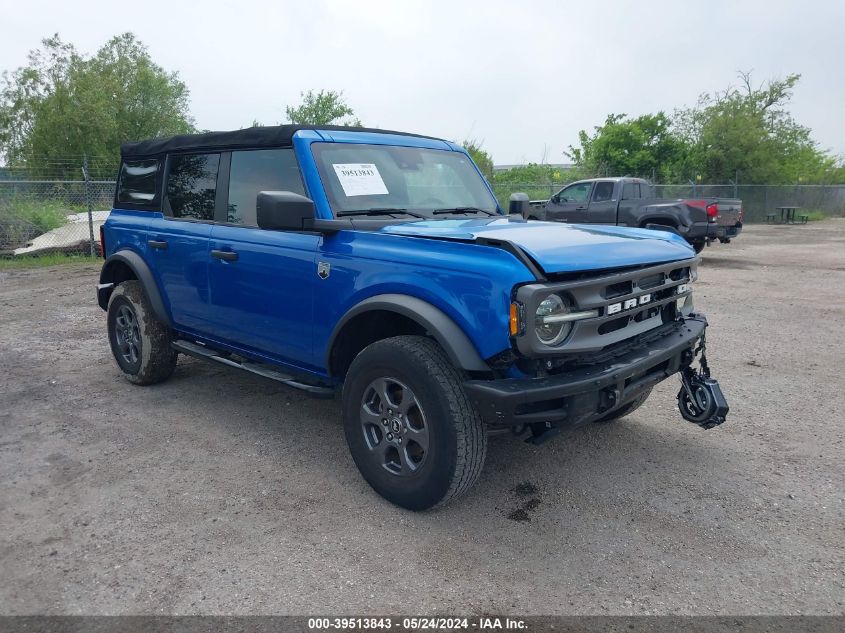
x=251 y=137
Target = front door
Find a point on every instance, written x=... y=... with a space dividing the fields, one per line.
x=570 y=203
x=262 y=282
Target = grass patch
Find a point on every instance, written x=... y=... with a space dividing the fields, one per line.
x=41 y=261
x=813 y=215
x=24 y=217
x=45 y=215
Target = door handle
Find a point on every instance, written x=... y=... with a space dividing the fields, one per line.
x=580 y=208
x=158 y=245
x=227 y=256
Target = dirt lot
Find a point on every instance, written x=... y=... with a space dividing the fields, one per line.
x=221 y=492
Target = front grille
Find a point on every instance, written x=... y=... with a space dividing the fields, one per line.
x=628 y=304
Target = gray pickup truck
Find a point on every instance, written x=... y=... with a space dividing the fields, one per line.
x=632 y=202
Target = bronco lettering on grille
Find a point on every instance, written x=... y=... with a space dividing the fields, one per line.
x=628 y=304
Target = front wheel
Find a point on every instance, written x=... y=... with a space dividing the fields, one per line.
x=411 y=429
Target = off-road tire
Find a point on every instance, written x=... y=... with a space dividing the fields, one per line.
x=156 y=358
x=625 y=409
x=457 y=438
x=699 y=245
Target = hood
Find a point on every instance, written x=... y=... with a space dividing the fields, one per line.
x=560 y=248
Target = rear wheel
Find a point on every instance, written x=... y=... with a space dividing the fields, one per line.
x=699 y=245
x=140 y=344
x=411 y=429
x=625 y=409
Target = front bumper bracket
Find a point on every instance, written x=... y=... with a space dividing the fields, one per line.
x=575 y=397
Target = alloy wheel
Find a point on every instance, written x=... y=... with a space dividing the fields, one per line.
x=394 y=426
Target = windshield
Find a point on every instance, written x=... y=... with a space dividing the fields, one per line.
x=373 y=178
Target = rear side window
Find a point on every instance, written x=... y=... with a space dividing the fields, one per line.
x=631 y=191
x=192 y=185
x=255 y=171
x=136 y=183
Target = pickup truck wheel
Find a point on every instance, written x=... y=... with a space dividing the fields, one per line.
x=625 y=409
x=140 y=343
x=411 y=429
x=699 y=245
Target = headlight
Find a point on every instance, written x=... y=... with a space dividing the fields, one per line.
x=548 y=325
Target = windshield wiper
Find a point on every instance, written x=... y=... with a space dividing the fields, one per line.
x=380 y=212
x=461 y=210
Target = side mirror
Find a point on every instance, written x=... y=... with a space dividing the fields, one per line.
x=555 y=198
x=283 y=210
x=518 y=204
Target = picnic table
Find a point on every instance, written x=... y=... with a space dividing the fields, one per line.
x=788 y=213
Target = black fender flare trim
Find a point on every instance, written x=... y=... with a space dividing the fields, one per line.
x=661 y=227
x=143 y=273
x=445 y=331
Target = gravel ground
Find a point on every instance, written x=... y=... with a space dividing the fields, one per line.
x=222 y=492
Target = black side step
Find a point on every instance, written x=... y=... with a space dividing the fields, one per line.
x=201 y=351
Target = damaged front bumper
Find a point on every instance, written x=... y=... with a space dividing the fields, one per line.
x=575 y=397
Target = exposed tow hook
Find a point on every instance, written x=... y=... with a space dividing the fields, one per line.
x=700 y=399
x=542 y=432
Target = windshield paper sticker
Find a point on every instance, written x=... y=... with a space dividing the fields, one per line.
x=360 y=179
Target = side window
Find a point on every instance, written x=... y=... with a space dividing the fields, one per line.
x=579 y=192
x=647 y=190
x=136 y=183
x=631 y=191
x=192 y=185
x=603 y=192
x=255 y=171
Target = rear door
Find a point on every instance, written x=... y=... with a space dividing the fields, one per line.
x=602 y=208
x=177 y=243
x=570 y=203
x=262 y=282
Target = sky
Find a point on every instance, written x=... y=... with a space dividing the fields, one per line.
x=521 y=77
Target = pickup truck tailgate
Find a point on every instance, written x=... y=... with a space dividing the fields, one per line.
x=730 y=211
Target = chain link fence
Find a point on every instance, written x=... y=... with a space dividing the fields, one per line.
x=41 y=215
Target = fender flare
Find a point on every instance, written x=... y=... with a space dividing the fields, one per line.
x=661 y=227
x=445 y=331
x=142 y=273
x=658 y=218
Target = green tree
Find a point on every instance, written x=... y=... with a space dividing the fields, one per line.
x=749 y=133
x=325 y=107
x=643 y=146
x=480 y=157
x=62 y=105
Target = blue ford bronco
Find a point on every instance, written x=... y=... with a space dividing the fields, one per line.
x=380 y=264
